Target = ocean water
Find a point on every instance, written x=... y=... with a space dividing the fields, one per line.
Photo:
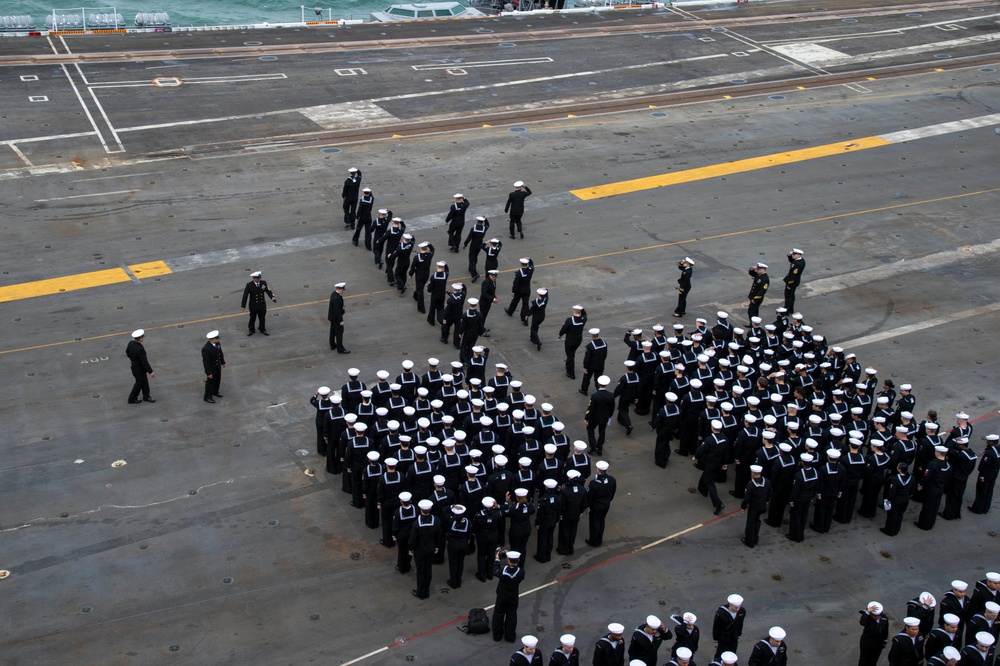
x=207 y=12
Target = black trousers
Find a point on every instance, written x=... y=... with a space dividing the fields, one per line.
x=523 y=300
x=682 y=302
x=403 y=558
x=424 y=565
x=846 y=503
x=984 y=495
x=571 y=346
x=336 y=336
x=953 y=498
x=387 y=513
x=257 y=316
x=870 y=653
x=212 y=385
x=371 y=512
x=776 y=507
x=485 y=306
x=474 y=250
x=790 y=297
x=754 y=309
x=435 y=310
x=543 y=549
x=515 y=221
x=798 y=516
x=320 y=439
x=706 y=486
x=742 y=478
x=661 y=452
x=752 y=532
x=823 y=514
x=141 y=385
x=456 y=561
x=597 y=517
x=567 y=536
x=419 y=283
x=350 y=212
x=486 y=546
x=894 y=517
x=597 y=443
x=454 y=237
x=587 y=376
x=726 y=646
x=623 y=415
x=504 y=621
x=367 y=226
x=929 y=510
x=518 y=537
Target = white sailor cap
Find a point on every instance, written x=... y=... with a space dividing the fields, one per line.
x=988 y=438
x=550 y=483
x=381 y=411
x=457 y=286
x=528 y=430
x=361 y=426
x=683 y=653
x=366 y=189
x=962 y=415
x=352 y=170
x=521 y=492
x=959 y=585
x=397 y=219
x=340 y=285
x=138 y=333
x=806 y=457
x=212 y=335
x=391 y=462
x=603 y=380
x=541 y=291
x=573 y=474
x=383 y=211
x=525 y=260
x=653 y=621
x=425 y=505
x=405 y=496
x=458 y=195
x=373 y=456
x=550 y=448
x=950 y=618
x=941 y=449
x=616 y=628
x=602 y=465
x=716 y=424
x=420 y=450
x=992 y=607
x=366 y=394
x=728 y=657
x=255 y=274
x=473 y=302
x=721 y=314
x=833 y=454
x=518 y=183
x=408 y=236
x=777 y=633
x=558 y=426
x=911 y=621
x=323 y=390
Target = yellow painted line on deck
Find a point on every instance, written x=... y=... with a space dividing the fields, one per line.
x=728 y=168
x=59 y=285
x=150 y=269
x=16 y=292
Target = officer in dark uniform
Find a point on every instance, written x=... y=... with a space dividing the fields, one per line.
x=755 y=498
x=770 y=651
x=254 y=293
x=594 y=356
x=456 y=221
x=509 y=575
x=364 y=218
x=213 y=361
x=874 y=634
x=515 y=206
x=600 y=494
x=711 y=459
x=350 y=192
x=454 y=306
x=424 y=544
x=520 y=289
x=683 y=285
x=989 y=467
x=572 y=328
x=796 y=264
x=758 y=289
x=474 y=241
x=488 y=296
x=335 y=315
x=470 y=328
x=908 y=645
x=136 y=354
x=598 y=414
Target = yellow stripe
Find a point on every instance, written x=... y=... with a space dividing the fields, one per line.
x=150 y=269
x=58 y=285
x=715 y=170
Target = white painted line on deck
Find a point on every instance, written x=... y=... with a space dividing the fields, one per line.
x=542 y=79
x=483 y=63
x=24 y=158
x=919 y=326
x=83 y=196
x=829 y=285
x=941 y=128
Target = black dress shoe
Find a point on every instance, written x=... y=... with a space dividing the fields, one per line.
x=209 y=400
x=475 y=278
x=149 y=399
x=217 y=395
x=733 y=493
x=355 y=243
x=539 y=345
x=524 y=321
x=134 y=402
x=882 y=530
x=522 y=235
x=263 y=332
x=628 y=431
x=511 y=235
x=416 y=594
x=343 y=351
x=679 y=452
x=719 y=509
x=510 y=313
x=250 y=333
x=582 y=392
x=481 y=578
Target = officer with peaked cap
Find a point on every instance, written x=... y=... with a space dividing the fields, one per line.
x=567 y=653
x=509 y=574
x=213 y=361
x=136 y=354
x=758 y=288
x=646 y=640
x=515 y=206
x=874 y=634
x=796 y=264
x=683 y=285
x=335 y=315
x=770 y=651
x=254 y=294
x=572 y=328
x=908 y=645
x=610 y=648
x=727 y=627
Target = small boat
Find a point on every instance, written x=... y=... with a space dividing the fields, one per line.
x=426 y=10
